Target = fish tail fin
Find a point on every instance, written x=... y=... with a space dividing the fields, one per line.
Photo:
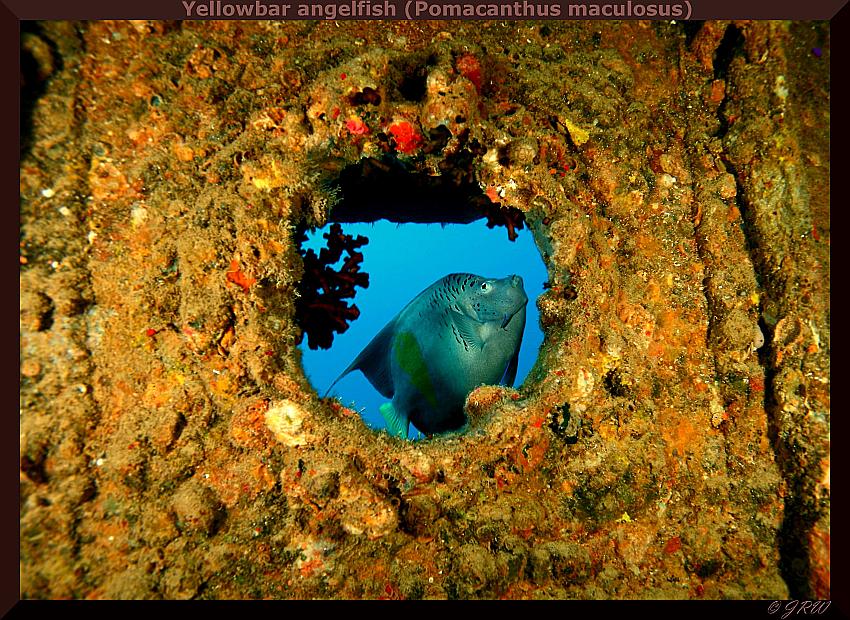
x=398 y=425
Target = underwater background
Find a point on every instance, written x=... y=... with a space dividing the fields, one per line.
x=402 y=260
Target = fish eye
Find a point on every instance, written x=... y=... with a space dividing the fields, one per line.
x=485 y=286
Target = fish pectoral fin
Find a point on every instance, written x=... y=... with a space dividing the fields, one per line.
x=510 y=372
x=469 y=330
x=397 y=424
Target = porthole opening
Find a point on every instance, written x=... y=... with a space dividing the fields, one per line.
x=406 y=232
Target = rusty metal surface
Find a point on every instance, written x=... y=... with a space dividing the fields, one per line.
x=672 y=440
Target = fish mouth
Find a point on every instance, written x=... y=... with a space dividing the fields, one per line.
x=506 y=318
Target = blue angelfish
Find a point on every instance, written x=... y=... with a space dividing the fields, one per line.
x=461 y=332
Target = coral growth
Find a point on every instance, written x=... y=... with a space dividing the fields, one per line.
x=470 y=68
x=321 y=308
x=407 y=139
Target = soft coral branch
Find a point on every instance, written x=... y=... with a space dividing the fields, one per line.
x=510 y=217
x=321 y=308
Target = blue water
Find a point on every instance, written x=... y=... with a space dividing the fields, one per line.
x=401 y=261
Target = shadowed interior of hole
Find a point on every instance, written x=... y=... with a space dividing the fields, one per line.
x=402 y=260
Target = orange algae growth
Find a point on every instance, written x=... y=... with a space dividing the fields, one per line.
x=235 y=275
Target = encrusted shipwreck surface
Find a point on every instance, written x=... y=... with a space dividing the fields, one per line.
x=672 y=440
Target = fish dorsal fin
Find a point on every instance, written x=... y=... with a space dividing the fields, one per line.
x=397 y=425
x=468 y=329
x=373 y=362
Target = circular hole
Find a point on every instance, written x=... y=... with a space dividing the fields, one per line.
x=402 y=260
